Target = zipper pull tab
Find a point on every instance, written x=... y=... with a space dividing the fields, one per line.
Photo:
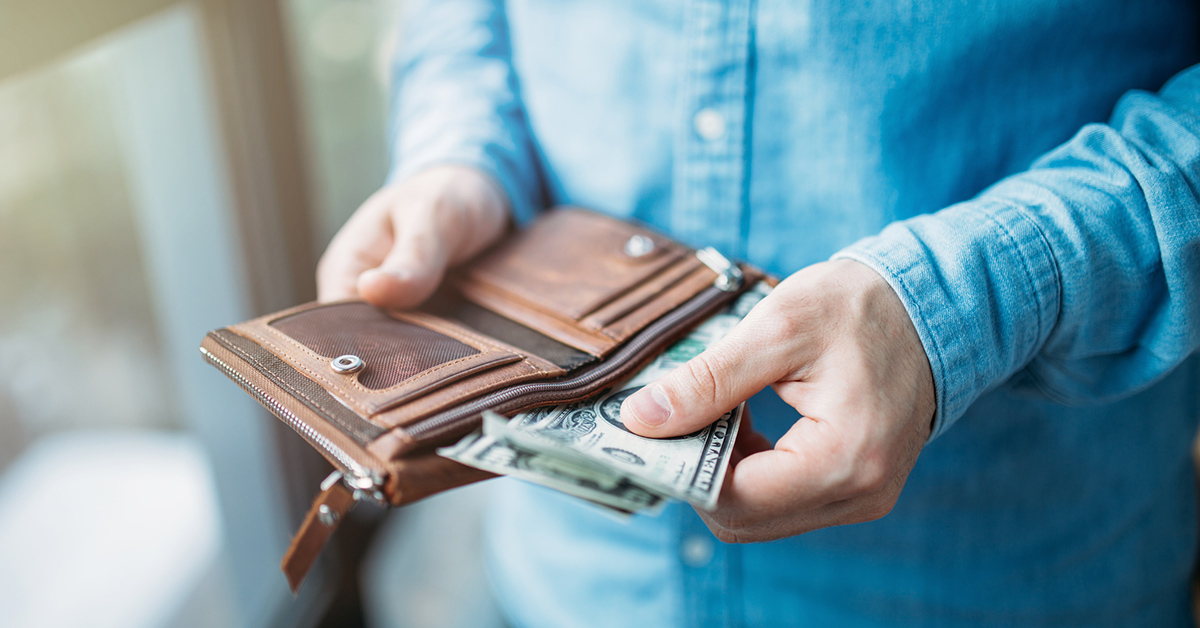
x=729 y=276
x=326 y=512
x=365 y=487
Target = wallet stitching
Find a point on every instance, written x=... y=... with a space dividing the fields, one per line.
x=698 y=271
x=684 y=268
x=533 y=302
x=493 y=344
x=315 y=374
x=488 y=348
x=431 y=370
x=499 y=384
x=357 y=385
x=286 y=385
x=532 y=315
x=453 y=330
x=499 y=282
x=300 y=393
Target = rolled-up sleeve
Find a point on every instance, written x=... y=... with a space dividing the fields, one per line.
x=1078 y=279
x=455 y=99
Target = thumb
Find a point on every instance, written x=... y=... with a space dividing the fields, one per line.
x=707 y=386
x=411 y=271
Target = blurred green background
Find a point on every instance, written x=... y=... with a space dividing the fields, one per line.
x=166 y=168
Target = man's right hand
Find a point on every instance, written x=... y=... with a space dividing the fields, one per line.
x=397 y=246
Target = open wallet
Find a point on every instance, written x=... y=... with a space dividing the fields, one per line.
x=553 y=314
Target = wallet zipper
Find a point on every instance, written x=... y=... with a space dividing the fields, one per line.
x=367 y=483
x=354 y=474
x=568 y=388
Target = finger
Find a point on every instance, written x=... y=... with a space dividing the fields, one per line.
x=394 y=250
x=412 y=269
x=749 y=441
x=360 y=244
x=803 y=471
x=709 y=385
x=754 y=507
x=813 y=466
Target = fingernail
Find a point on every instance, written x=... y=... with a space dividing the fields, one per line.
x=650 y=406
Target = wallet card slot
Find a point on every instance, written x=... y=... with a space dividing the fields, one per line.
x=568 y=332
x=642 y=295
x=401 y=355
x=622 y=363
x=506 y=330
x=573 y=262
x=440 y=377
x=666 y=300
x=392 y=351
x=445 y=397
x=574 y=273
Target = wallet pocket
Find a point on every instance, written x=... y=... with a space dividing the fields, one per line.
x=554 y=314
x=372 y=359
x=585 y=279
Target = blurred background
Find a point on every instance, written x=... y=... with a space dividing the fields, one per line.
x=167 y=168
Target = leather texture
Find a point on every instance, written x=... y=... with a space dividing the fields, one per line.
x=570 y=276
x=314 y=533
x=596 y=295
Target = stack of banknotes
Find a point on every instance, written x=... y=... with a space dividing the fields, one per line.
x=584 y=449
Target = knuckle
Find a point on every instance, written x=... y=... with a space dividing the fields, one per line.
x=864 y=468
x=877 y=509
x=779 y=323
x=871 y=478
x=722 y=519
x=419 y=249
x=726 y=535
x=728 y=527
x=700 y=381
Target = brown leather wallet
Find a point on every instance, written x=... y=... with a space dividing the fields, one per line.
x=553 y=314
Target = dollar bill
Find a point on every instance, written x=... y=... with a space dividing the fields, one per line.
x=604 y=489
x=584 y=449
x=690 y=467
x=516 y=432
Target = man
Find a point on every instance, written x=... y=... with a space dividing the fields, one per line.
x=1029 y=340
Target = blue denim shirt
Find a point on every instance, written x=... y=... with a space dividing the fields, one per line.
x=1024 y=173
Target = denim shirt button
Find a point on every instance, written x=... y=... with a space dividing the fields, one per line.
x=697 y=551
x=709 y=124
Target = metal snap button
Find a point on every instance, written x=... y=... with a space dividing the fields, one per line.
x=639 y=246
x=709 y=124
x=347 y=364
x=327 y=516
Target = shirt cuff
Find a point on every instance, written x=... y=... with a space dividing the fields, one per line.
x=981 y=285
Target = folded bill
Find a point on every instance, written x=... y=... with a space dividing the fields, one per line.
x=584 y=448
x=604 y=489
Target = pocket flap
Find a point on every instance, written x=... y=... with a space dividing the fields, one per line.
x=585 y=279
x=391 y=357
